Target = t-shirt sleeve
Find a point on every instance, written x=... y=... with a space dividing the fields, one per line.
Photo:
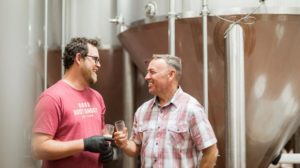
x=201 y=130
x=136 y=135
x=47 y=116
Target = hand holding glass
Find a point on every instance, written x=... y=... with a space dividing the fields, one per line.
x=120 y=125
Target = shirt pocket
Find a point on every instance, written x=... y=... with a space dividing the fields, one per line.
x=145 y=133
x=178 y=135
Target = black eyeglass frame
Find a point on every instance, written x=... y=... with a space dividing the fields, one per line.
x=95 y=58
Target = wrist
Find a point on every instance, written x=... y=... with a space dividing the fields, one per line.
x=124 y=145
x=82 y=146
x=85 y=143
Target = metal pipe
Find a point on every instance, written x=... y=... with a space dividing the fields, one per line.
x=128 y=96
x=63 y=29
x=128 y=99
x=171 y=23
x=235 y=138
x=46 y=46
x=205 y=53
x=290 y=158
x=297 y=144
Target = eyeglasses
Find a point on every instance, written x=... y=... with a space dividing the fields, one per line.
x=95 y=58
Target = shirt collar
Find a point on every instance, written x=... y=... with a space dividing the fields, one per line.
x=174 y=100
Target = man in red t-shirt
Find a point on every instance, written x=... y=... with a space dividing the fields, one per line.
x=69 y=116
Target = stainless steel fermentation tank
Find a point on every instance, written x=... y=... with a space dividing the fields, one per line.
x=32 y=42
x=272 y=63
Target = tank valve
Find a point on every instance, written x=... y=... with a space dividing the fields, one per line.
x=277 y=158
x=151 y=9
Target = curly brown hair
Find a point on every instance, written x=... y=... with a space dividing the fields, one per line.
x=77 y=45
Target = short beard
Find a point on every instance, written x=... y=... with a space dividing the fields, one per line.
x=91 y=81
x=88 y=77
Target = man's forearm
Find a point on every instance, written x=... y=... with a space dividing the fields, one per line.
x=209 y=157
x=52 y=149
x=131 y=149
x=208 y=162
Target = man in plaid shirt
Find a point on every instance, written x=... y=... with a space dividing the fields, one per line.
x=172 y=129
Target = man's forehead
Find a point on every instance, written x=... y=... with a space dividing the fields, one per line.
x=92 y=49
x=157 y=64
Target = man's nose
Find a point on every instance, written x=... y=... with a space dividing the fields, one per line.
x=147 y=76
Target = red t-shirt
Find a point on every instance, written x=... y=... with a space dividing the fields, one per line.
x=69 y=114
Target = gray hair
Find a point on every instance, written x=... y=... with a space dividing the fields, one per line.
x=173 y=61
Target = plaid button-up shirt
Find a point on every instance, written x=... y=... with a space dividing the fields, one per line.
x=172 y=135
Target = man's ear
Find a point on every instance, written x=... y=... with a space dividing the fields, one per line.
x=172 y=74
x=77 y=58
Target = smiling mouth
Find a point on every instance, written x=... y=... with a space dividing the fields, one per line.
x=95 y=71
